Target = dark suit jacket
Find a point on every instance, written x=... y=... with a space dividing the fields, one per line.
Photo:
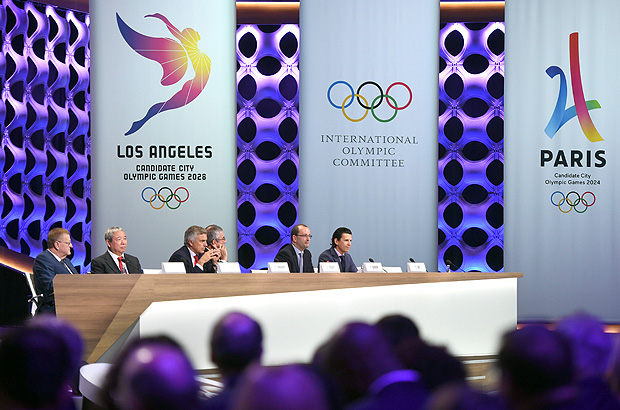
x=182 y=255
x=105 y=264
x=45 y=268
x=399 y=395
x=288 y=254
x=330 y=255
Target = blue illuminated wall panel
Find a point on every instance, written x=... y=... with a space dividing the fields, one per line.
x=45 y=151
x=471 y=143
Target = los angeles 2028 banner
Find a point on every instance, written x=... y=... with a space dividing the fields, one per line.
x=163 y=122
x=368 y=126
x=561 y=156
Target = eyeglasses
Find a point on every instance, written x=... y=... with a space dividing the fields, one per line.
x=66 y=243
x=305 y=236
x=222 y=239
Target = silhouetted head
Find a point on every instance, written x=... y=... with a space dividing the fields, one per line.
x=534 y=361
x=291 y=387
x=152 y=374
x=72 y=338
x=356 y=356
x=236 y=342
x=398 y=328
x=590 y=345
x=35 y=363
x=436 y=365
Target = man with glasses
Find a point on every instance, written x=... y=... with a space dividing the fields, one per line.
x=296 y=254
x=217 y=240
x=51 y=262
x=115 y=260
x=194 y=253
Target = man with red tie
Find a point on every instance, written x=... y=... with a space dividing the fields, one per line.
x=115 y=260
x=193 y=254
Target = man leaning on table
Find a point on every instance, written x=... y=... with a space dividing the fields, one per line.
x=51 y=262
x=115 y=260
x=194 y=253
x=296 y=254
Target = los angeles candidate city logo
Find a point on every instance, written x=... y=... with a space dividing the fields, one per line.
x=174 y=57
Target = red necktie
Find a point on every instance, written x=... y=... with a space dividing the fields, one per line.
x=195 y=260
x=120 y=263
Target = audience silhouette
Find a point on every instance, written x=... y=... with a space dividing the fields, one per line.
x=575 y=366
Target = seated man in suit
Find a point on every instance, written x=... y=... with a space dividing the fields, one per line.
x=297 y=251
x=339 y=252
x=217 y=240
x=193 y=254
x=115 y=260
x=51 y=262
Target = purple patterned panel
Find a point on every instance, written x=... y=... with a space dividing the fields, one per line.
x=471 y=93
x=268 y=140
x=45 y=144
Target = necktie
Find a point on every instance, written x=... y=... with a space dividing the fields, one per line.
x=301 y=262
x=67 y=266
x=195 y=260
x=120 y=264
x=341 y=263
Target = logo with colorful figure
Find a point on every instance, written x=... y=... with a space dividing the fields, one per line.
x=174 y=57
x=581 y=108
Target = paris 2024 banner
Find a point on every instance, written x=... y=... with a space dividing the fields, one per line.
x=561 y=157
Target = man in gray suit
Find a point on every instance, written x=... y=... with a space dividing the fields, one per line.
x=115 y=260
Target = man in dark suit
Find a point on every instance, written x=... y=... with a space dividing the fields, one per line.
x=339 y=251
x=115 y=260
x=193 y=254
x=51 y=262
x=297 y=250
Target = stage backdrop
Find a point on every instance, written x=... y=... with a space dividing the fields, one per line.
x=163 y=122
x=561 y=224
x=368 y=127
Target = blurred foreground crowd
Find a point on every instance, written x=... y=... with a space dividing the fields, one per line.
x=362 y=366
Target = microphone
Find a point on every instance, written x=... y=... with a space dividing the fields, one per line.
x=124 y=264
x=452 y=266
x=411 y=260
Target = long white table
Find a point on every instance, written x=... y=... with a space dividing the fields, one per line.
x=467 y=312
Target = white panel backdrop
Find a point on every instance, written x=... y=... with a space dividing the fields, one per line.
x=561 y=223
x=179 y=168
x=378 y=175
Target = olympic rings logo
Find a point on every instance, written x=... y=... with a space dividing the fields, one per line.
x=566 y=203
x=363 y=102
x=165 y=199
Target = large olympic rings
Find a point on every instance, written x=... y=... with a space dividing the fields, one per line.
x=363 y=102
x=157 y=197
x=574 y=202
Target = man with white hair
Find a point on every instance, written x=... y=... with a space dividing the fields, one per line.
x=115 y=260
